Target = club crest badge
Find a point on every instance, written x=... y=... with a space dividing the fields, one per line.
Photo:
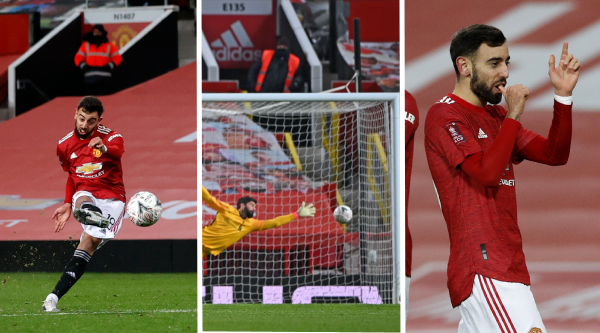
x=97 y=153
x=535 y=330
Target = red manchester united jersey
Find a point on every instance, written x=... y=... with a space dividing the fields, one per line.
x=482 y=221
x=90 y=169
x=411 y=122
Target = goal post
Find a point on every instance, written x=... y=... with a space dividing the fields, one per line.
x=327 y=149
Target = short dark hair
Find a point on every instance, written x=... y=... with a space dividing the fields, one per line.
x=466 y=41
x=91 y=104
x=245 y=200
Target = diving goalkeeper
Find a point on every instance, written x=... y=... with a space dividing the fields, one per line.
x=230 y=224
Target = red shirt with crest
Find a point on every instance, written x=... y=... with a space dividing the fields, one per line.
x=482 y=221
x=91 y=170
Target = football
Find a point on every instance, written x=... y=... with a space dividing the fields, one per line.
x=342 y=214
x=144 y=209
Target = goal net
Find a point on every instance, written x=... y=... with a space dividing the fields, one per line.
x=285 y=149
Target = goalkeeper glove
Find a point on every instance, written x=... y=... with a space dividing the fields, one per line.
x=306 y=211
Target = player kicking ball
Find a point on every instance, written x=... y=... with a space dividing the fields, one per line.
x=230 y=224
x=91 y=154
x=472 y=145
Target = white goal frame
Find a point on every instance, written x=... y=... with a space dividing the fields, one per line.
x=397 y=167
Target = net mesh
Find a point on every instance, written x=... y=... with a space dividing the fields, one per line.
x=286 y=153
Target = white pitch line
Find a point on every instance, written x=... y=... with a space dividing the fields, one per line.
x=99 y=312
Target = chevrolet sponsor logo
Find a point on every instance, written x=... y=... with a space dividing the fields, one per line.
x=88 y=168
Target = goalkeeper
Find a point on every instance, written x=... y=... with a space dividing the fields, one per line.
x=230 y=224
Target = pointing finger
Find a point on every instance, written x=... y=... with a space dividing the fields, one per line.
x=565 y=50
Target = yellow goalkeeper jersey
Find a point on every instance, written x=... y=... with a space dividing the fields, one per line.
x=229 y=227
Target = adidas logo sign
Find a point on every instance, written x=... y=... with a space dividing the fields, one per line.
x=482 y=135
x=235 y=48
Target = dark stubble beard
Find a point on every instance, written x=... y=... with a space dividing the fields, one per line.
x=481 y=90
x=85 y=136
x=249 y=214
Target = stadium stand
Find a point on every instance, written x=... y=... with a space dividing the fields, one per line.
x=146 y=36
x=19 y=31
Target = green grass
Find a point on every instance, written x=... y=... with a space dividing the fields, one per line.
x=101 y=302
x=301 y=318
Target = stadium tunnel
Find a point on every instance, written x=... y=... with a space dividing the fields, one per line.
x=149 y=48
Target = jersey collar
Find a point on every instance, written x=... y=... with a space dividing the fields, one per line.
x=468 y=106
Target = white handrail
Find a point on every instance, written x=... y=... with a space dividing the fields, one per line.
x=316 y=70
x=210 y=61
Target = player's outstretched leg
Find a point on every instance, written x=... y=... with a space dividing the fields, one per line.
x=88 y=213
x=72 y=272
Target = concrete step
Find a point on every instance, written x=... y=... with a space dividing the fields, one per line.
x=187 y=42
x=6 y=114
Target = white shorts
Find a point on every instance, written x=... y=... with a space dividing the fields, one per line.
x=112 y=209
x=406 y=290
x=499 y=307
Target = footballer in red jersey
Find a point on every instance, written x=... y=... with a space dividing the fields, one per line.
x=91 y=155
x=472 y=146
x=411 y=122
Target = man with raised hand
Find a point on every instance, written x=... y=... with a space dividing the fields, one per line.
x=472 y=145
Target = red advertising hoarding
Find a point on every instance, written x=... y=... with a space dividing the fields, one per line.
x=239 y=31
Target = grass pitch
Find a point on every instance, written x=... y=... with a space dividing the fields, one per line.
x=301 y=318
x=101 y=302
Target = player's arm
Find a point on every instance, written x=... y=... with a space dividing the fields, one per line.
x=112 y=147
x=411 y=118
x=556 y=148
x=63 y=213
x=70 y=188
x=487 y=168
x=303 y=211
x=214 y=203
x=70 y=191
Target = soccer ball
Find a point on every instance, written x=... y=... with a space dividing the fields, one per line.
x=342 y=214
x=144 y=209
